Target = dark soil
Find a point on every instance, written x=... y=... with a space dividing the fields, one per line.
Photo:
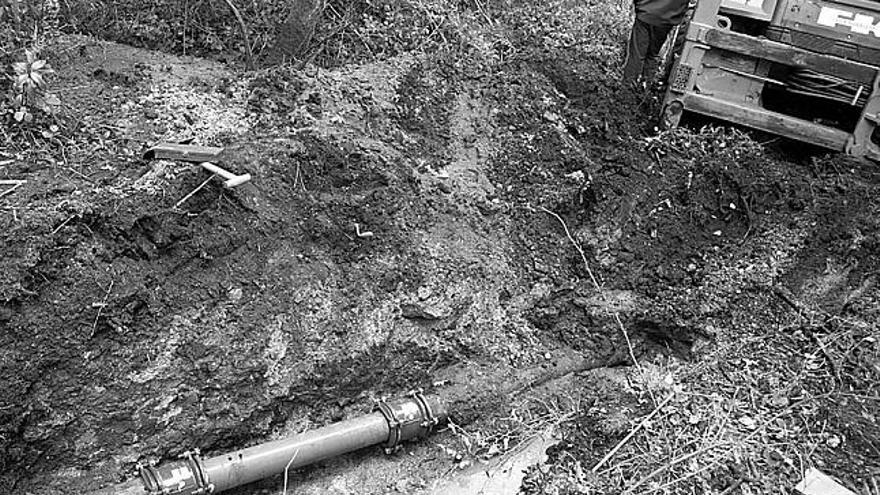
x=393 y=235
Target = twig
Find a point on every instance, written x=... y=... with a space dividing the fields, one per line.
x=14 y=183
x=197 y=189
x=672 y=463
x=322 y=43
x=629 y=346
x=298 y=179
x=186 y=23
x=635 y=430
x=599 y=288
x=101 y=306
x=296 y=176
x=366 y=42
x=62 y=224
x=780 y=293
x=685 y=477
x=707 y=448
x=801 y=311
x=733 y=486
x=286 y=468
x=824 y=349
x=482 y=10
x=577 y=246
x=244 y=32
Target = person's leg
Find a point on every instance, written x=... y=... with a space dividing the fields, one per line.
x=636 y=51
x=656 y=37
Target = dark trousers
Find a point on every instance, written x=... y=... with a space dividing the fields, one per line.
x=643 y=50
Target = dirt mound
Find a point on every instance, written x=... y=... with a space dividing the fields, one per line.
x=401 y=231
x=347 y=270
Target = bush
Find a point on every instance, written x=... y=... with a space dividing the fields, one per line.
x=24 y=97
x=27 y=102
x=207 y=27
x=329 y=32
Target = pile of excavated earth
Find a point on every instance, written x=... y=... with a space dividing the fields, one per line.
x=497 y=222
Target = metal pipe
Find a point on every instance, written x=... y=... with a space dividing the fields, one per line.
x=391 y=424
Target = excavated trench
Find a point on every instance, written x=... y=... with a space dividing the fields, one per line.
x=370 y=256
x=392 y=239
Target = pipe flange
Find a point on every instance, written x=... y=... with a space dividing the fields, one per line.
x=150 y=477
x=394 y=426
x=194 y=461
x=429 y=418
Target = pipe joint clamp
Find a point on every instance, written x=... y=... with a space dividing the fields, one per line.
x=411 y=418
x=182 y=478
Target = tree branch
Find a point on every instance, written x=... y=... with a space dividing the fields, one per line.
x=249 y=57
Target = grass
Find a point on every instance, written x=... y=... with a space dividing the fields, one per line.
x=753 y=413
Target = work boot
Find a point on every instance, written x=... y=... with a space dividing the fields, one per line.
x=649 y=70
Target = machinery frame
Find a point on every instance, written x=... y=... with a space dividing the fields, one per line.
x=723 y=72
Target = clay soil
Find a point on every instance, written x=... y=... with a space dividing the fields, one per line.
x=399 y=233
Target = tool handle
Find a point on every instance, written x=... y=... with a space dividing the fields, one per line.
x=217 y=170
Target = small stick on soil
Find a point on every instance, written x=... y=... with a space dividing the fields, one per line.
x=366 y=43
x=296 y=176
x=801 y=310
x=286 y=468
x=197 y=189
x=629 y=345
x=14 y=183
x=101 y=306
x=62 y=224
x=580 y=251
x=577 y=246
x=714 y=446
x=732 y=487
x=297 y=179
x=482 y=10
x=635 y=430
x=780 y=293
x=690 y=475
x=672 y=463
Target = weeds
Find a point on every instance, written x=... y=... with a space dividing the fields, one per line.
x=29 y=96
x=525 y=420
x=330 y=32
x=25 y=99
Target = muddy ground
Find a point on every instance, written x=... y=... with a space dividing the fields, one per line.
x=399 y=234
